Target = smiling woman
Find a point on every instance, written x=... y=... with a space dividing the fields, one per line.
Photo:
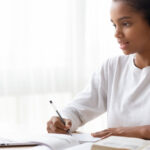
x=120 y=86
x=132 y=19
x=49 y=48
x=128 y=22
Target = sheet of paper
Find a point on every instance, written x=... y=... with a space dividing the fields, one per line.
x=56 y=141
x=85 y=146
x=85 y=137
x=40 y=147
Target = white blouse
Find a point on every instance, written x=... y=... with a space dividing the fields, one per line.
x=118 y=87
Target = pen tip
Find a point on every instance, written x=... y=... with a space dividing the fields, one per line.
x=51 y=102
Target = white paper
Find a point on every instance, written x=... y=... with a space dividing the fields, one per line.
x=85 y=137
x=56 y=141
x=39 y=147
x=85 y=146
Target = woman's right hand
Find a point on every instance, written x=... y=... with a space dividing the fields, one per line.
x=55 y=125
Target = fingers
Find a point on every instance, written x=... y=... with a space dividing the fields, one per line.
x=102 y=133
x=106 y=136
x=53 y=129
x=105 y=133
x=68 y=123
x=121 y=131
x=55 y=125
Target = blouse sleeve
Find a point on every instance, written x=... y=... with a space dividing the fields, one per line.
x=90 y=103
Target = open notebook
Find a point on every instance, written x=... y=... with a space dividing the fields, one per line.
x=53 y=141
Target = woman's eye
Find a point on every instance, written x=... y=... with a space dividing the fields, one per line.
x=114 y=25
x=126 y=24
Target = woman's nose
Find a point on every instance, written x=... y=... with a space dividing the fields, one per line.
x=118 y=33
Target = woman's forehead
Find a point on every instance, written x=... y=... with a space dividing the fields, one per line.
x=120 y=9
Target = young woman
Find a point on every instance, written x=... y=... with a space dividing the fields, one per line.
x=122 y=85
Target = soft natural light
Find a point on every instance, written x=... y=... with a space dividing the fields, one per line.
x=48 y=50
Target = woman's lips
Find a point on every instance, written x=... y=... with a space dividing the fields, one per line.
x=124 y=45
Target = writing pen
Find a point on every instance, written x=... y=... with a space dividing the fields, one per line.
x=62 y=120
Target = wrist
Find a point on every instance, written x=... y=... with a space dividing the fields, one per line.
x=145 y=132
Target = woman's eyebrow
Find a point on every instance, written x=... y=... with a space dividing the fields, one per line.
x=122 y=18
x=125 y=17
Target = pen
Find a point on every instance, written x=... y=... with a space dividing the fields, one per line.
x=62 y=120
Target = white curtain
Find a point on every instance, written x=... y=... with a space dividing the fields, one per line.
x=48 y=50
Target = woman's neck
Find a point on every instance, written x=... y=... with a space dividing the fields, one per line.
x=142 y=61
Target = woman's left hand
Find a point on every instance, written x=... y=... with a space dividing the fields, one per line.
x=138 y=132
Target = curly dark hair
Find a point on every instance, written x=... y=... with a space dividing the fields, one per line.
x=142 y=6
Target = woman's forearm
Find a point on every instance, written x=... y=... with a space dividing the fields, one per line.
x=137 y=131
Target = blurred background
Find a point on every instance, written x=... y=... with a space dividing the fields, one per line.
x=48 y=51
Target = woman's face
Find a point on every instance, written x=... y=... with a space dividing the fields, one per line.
x=131 y=29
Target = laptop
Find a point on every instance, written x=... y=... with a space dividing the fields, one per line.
x=10 y=143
